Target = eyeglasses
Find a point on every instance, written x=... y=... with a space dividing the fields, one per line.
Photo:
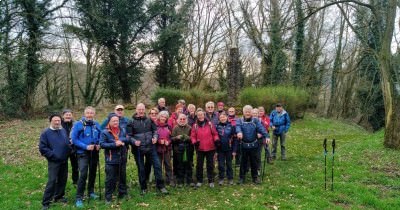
x=120 y=110
x=210 y=107
x=153 y=113
x=182 y=118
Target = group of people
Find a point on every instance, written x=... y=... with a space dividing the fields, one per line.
x=164 y=141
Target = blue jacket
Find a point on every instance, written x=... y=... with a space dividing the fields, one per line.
x=213 y=117
x=250 y=127
x=281 y=121
x=112 y=153
x=85 y=133
x=226 y=133
x=55 y=145
x=123 y=122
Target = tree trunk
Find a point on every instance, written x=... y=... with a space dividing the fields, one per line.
x=233 y=76
x=391 y=95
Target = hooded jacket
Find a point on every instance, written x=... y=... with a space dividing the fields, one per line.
x=113 y=154
x=226 y=133
x=84 y=133
x=281 y=121
x=142 y=129
x=204 y=135
x=164 y=133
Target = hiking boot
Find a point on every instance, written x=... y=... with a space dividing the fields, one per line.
x=221 y=182
x=79 y=203
x=143 y=192
x=198 y=185
x=61 y=200
x=45 y=207
x=256 y=181
x=93 y=196
x=241 y=181
x=108 y=202
x=270 y=161
x=192 y=184
x=211 y=185
x=172 y=183
x=231 y=182
x=164 y=191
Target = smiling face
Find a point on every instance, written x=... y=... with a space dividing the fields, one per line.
x=200 y=116
x=119 y=112
x=55 y=122
x=140 y=110
x=114 y=122
x=89 y=114
x=161 y=102
x=223 y=118
x=67 y=116
x=182 y=119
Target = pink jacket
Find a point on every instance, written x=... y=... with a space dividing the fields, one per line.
x=164 y=133
x=205 y=135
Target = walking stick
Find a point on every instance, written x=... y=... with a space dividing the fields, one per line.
x=98 y=164
x=119 y=170
x=333 y=160
x=325 y=153
x=263 y=169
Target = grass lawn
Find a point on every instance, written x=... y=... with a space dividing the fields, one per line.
x=367 y=176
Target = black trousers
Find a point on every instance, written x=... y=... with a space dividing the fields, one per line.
x=209 y=155
x=87 y=171
x=115 y=173
x=73 y=158
x=225 y=165
x=57 y=179
x=152 y=156
x=249 y=155
x=184 y=165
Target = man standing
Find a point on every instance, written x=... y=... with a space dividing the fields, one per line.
x=123 y=121
x=161 y=106
x=55 y=146
x=85 y=136
x=143 y=135
x=280 y=124
x=247 y=129
x=67 y=121
x=211 y=114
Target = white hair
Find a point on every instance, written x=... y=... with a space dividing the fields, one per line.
x=163 y=113
x=210 y=103
x=90 y=108
x=161 y=99
x=247 y=107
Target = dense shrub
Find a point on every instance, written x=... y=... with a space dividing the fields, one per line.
x=295 y=100
x=194 y=96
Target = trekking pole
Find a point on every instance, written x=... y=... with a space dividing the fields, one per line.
x=325 y=153
x=263 y=169
x=333 y=159
x=90 y=167
x=98 y=164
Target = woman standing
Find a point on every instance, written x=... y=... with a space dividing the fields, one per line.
x=164 y=146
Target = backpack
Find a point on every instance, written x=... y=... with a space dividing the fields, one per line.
x=253 y=144
x=82 y=131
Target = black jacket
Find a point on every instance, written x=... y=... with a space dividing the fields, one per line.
x=142 y=129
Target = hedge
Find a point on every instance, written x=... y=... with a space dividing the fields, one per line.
x=294 y=100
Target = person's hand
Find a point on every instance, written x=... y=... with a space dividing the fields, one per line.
x=234 y=154
x=119 y=143
x=267 y=141
x=137 y=143
x=178 y=137
x=259 y=135
x=90 y=147
x=166 y=143
x=240 y=135
x=154 y=140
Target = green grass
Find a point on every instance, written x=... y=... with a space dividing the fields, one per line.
x=366 y=174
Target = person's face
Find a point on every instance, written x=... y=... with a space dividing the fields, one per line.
x=261 y=112
x=163 y=119
x=279 y=109
x=220 y=107
x=67 y=117
x=223 y=118
x=153 y=114
x=89 y=114
x=119 y=112
x=179 y=110
x=200 y=116
x=191 y=109
x=182 y=120
x=254 y=113
x=161 y=103
x=55 y=122
x=231 y=111
x=114 y=122
x=247 y=113
x=210 y=108
x=140 y=110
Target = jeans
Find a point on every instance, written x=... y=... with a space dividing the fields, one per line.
x=87 y=167
x=151 y=156
x=209 y=155
x=282 y=138
x=165 y=160
x=225 y=159
x=57 y=179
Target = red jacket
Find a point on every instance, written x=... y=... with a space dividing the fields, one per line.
x=206 y=135
x=266 y=122
x=164 y=133
x=172 y=120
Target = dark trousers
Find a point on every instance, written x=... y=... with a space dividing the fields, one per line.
x=152 y=156
x=282 y=138
x=165 y=160
x=57 y=179
x=225 y=160
x=73 y=158
x=249 y=155
x=115 y=173
x=147 y=169
x=209 y=155
x=87 y=167
x=184 y=165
